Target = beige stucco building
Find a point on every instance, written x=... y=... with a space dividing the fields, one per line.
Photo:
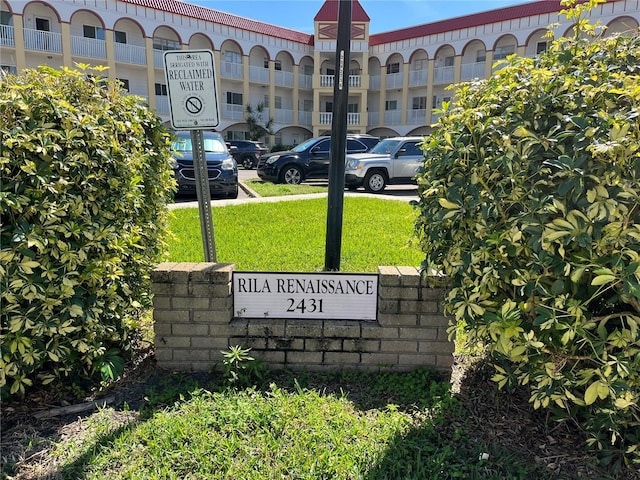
x=397 y=79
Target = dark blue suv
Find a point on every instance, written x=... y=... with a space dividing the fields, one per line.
x=309 y=160
x=222 y=169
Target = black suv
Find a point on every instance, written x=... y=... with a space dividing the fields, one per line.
x=246 y=152
x=309 y=160
x=222 y=169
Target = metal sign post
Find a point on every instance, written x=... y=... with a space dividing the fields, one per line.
x=335 y=206
x=193 y=103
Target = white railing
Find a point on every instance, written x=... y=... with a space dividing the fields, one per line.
x=258 y=74
x=231 y=69
x=283 y=116
x=305 y=81
x=417 y=116
x=305 y=118
x=374 y=82
x=393 y=117
x=88 y=47
x=130 y=53
x=158 y=58
x=352 y=118
x=162 y=104
x=284 y=79
x=41 y=40
x=232 y=111
x=394 y=80
x=472 y=70
x=417 y=77
x=443 y=75
x=374 y=118
x=6 y=36
x=327 y=80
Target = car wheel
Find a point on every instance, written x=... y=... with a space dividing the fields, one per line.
x=291 y=175
x=247 y=163
x=375 y=182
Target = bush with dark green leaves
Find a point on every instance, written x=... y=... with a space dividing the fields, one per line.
x=530 y=205
x=85 y=185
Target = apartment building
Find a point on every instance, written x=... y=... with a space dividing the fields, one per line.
x=397 y=79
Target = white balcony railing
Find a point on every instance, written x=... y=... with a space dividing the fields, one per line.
x=374 y=118
x=327 y=117
x=393 y=117
x=417 y=77
x=283 y=116
x=284 y=79
x=443 y=75
x=88 y=47
x=162 y=104
x=305 y=81
x=305 y=118
x=232 y=111
x=374 y=82
x=231 y=70
x=327 y=80
x=43 y=41
x=417 y=117
x=6 y=36
x=258 y=74
x=130 y=53
x=472 y=70
x=158 y=58
x=394 y=80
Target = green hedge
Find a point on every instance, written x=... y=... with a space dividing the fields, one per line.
x=530 y=204
x=85 y=183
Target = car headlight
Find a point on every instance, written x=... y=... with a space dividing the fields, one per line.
x=173 y=163
x=352 y=164
x=271 y=160
x=228 y=164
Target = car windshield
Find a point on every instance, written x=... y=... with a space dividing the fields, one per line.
x=213 y=145
x=304 y=145
x=385 y=146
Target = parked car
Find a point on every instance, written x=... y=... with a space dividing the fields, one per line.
x=394 y=160
x=309 y=160
x=247 y=152
x=221 y=167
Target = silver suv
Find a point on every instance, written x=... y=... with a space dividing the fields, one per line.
x=393 y=161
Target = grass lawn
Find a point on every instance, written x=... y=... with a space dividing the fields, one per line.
x=290 y=236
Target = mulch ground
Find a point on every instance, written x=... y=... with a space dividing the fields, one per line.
x=506 y=420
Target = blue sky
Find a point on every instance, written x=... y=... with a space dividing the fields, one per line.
x=385 y=14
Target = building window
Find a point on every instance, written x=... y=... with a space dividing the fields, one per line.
x=8 y=69
x=265 y=101
x=90 y=31
x=165 y=44
x=503 y=52
x=393 y=68
x=419 y=103
x=232 y=57
x=307 y=70
x=124 y=83
x=5 y=17
x=161 y=89
x=448 y=61
x=330 y=71
x=43 y=24
x=391 y=105
x=278 y=64
x=353 y=108
x=419 y=65
x=481 y=56
x=234 y=98
x=120 y=37
x=307 y=105
x=328 y=107
x=266 y=62
x=541 y=47
x=278 y=102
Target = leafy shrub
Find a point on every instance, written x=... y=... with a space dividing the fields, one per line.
x=530 y=204
x=85 y=183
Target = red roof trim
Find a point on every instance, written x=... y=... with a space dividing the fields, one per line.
x=540 y=7
x=202 y=13
x=329 y=12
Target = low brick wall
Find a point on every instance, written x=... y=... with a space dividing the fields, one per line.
x=194 y=320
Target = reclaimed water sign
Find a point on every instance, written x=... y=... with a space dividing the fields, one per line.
x=305 y=295
x=191 y=88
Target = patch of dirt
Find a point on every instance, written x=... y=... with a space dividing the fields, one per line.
x=503 y=420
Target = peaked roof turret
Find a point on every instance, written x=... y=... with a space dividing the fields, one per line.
x=329 y=12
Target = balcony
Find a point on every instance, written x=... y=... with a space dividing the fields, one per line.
x=417 y=117
x=443 y=74
x=258 y=74
x=162 y=104
x=393 y=117
x=231 y=70
x=472 y=70
x=130 y=54
x=283 y=116
x=284 y=79
x=374 y=82
x=88 y=47
x=43 y=41
x=417 y=77
x=6 y=36
x=326 y=118
x=355 y=81
x=232 y=111
x=305 y=81
x=305 y=118
x=394 y=80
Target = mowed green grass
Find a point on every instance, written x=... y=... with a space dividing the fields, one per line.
x=291 y=235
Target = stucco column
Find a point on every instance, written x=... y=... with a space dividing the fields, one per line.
x=67 y=53
x=18 y=38
x=151 y=72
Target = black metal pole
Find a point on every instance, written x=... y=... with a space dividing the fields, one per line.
x=338 y=139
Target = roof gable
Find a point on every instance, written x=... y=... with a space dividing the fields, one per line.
x=329 y=12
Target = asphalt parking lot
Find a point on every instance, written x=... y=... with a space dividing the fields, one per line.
x=392 y=192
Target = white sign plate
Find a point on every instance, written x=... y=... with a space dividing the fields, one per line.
x=191 y=87
x=305 y=295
